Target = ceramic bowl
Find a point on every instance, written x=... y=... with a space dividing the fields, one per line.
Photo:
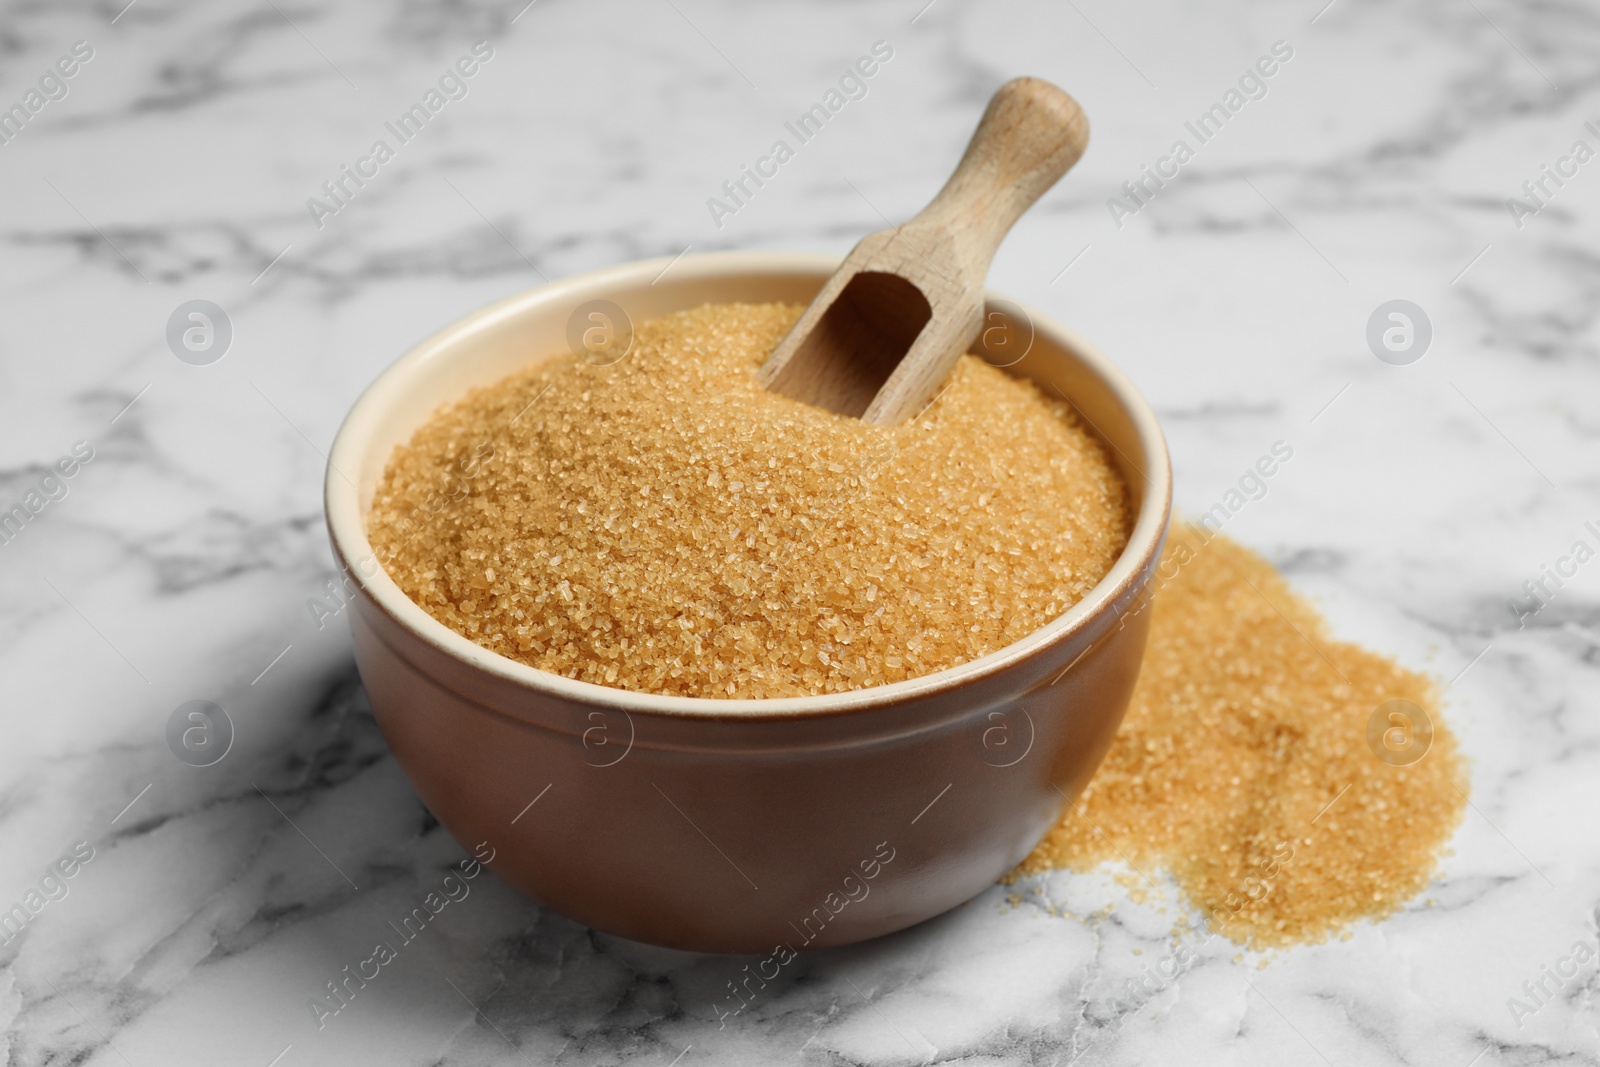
x=739 y=825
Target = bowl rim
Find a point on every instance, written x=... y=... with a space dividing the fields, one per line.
x=347 y=522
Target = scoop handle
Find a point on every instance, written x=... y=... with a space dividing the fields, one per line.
x=1030 y=135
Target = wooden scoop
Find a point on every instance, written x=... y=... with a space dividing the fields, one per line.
x=879 y=339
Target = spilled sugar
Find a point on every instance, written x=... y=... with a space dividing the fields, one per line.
x=663 y=524
x=1244 y=769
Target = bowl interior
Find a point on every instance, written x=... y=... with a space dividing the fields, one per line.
x=499 y=340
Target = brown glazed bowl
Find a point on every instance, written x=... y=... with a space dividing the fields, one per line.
x=739 y=825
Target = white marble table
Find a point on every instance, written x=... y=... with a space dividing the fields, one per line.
x=178 y=565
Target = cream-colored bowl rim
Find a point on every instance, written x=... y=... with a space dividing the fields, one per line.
x=347 y=525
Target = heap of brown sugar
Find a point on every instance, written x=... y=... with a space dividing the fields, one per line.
x=1245 y=769
x=664 y=524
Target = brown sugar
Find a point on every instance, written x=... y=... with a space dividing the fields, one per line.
x=663 y=524
x=1244 y=767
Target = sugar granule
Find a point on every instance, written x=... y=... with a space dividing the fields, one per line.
x=663 y=524
x=1243 y=766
